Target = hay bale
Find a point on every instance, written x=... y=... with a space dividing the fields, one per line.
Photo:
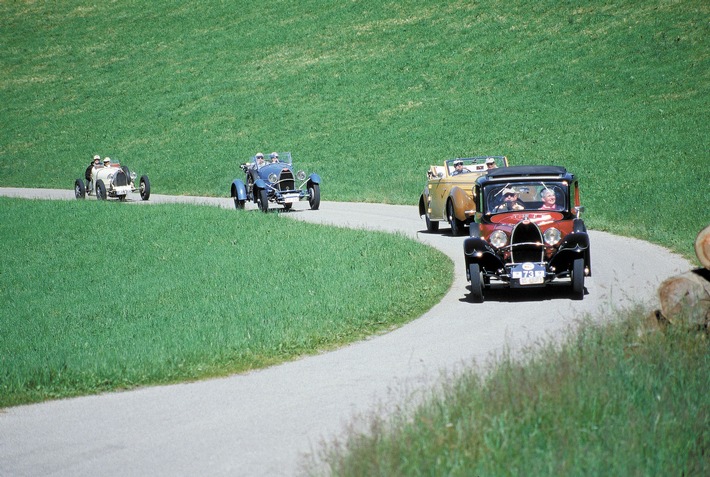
x=685 y=298
x=702 y=247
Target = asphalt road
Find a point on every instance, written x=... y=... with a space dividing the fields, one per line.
x=267 y=422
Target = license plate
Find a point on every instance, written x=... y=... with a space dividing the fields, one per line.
x=290 y=199
x=529 y=274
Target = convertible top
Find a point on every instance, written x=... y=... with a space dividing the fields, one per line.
x=523 y=171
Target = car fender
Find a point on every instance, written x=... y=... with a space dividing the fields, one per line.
x=423 y=201
x=462 y=202
x=239 y=190
x=261 y=183
x=477 y=250
x=573 y=246
x=314 y=178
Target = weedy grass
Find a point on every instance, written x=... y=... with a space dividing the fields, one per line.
x=369 y=94
x=100 y=295
x=603 y=401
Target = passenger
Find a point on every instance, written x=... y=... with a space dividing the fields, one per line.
x=274 y=156
x=107 y=162
x=548 y=200
x=458 y=168
x=510 y=201
x=259 y=159
x=491 y=163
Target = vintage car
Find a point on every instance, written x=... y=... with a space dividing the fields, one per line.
x=273 y=180
x=527 y=230
x=111 y=179
x=448 y=194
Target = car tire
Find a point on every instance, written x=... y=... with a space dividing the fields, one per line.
x=263 y=198
x=100 y=190
x=456 y=225
x=578 y=279
x=474 y=271
x=144 y=188
x=79 y=189
x=431 y=226
x=314 y=196
x=239 y=204
x=287 y=207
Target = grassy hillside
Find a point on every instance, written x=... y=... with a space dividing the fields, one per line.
x=368 y=94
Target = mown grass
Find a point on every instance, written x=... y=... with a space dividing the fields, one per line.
x=603 y=401
x=181 y=292
x=368 y=94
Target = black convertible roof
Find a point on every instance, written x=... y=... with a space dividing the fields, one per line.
x=522 y=171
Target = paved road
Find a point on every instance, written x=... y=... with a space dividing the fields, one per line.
x=267 y=422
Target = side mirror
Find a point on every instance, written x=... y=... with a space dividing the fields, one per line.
x=440 y=175
x=578 y=210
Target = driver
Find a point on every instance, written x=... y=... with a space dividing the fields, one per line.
x=259 y=159
x=107 y=161
x=510 y=201
x=96 y=162
x=458 y=168
x=274 y=156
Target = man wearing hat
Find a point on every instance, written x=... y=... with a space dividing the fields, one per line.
x=510 y=201
x=274 y=156
x=458 y=168
x=96 y=162
x=491 y=163
x=259 y=159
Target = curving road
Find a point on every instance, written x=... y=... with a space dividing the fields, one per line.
x=266 y=422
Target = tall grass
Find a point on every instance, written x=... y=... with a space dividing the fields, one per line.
x=101 y=295
x=604 y=401
x=368 y=94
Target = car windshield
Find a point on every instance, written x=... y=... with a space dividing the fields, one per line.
x=282 y=157
x=527 y=195
x=471 y=164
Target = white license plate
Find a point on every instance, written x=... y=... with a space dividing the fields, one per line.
x=290 y=199
x=529 y=274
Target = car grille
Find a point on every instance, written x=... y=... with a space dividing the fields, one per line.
x=526 y=243
x=286 y=180
x=120 y=179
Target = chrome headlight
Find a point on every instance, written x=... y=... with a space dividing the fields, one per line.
x=300 y=175
x=498 y=239
x=273 y=178
x=133 y=176
x=552 y=236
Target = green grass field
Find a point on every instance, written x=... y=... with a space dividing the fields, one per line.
x=186 y=292
x=368 y=94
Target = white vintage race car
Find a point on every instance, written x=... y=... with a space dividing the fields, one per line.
x=111 y=180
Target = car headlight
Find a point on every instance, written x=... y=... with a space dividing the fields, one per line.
x=273 y=178
x=498 y=239
x=552 y=236
x=133 y=176
x=300 y=175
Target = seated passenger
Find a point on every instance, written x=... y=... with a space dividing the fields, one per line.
x=510 y=201
x=274 y=156
x=548 y=200
x=491 y=163
x=259 y=159
x=107 y=162
x=458 y=168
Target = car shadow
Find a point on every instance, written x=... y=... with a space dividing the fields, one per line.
x=501 y=293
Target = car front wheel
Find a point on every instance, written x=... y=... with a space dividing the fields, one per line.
x=144 y=188
x=456 y=225
x=578 y=279
x=474 y=271
x=263 y=199
x=239 y=204
x=100 y=190
x=314 y=196
x=79 y=189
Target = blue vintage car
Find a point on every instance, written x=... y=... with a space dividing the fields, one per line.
x=273 y=180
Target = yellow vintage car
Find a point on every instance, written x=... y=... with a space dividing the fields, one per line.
x=448 y=194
